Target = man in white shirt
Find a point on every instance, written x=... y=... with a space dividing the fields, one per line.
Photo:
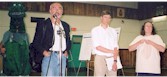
x=105 y=45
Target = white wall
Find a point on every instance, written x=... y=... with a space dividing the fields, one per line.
x=129 y=29
x=161 y=28
x=4 y=23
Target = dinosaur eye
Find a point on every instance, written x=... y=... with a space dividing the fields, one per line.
x=14 y=4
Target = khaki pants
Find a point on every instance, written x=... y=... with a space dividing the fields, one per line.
x=100 y=67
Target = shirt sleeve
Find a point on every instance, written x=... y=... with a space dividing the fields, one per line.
x=116 y=39
x=138 y=38
x=159 y=41
x=95 y=38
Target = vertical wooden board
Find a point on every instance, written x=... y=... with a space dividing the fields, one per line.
x=79 y=9
x=89 y=9
x=68 y=8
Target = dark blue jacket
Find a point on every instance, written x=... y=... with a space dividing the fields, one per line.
x=44 y=36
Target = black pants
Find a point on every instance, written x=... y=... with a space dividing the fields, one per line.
x=147 y=74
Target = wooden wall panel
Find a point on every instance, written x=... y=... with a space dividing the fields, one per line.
x=79 y=9
x=68 y=8
x=128 y=59
x=96 y=10
x=41 y=6
x=164 y=59
x=92 y=10
x=131 y=13
x=148 y=9
x=145 y=10
x=114 y=11
x=34 y=7
x=28 y=6
x=3 y=5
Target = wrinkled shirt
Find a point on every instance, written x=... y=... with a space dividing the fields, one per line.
x=106 y=38
x=147 y=56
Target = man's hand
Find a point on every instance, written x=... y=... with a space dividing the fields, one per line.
x=114 y=66
x=46 y=53
x=65 y=54
x=116 y=53
x=2 y=50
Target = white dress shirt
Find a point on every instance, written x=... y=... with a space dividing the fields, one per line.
x=56 y=45
x=106 y=38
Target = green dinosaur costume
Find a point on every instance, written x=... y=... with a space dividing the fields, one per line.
x=15 y=41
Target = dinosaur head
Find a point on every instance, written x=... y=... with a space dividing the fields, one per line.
x=17 y=10
x=17 y=13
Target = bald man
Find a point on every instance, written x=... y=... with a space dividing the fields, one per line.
x=47 y=41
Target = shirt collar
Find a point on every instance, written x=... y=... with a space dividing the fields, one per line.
x=59 y=25
x=103 y=27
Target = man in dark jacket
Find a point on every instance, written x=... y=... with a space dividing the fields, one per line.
x=52 y=37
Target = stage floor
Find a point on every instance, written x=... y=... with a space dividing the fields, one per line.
x=83 y=72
